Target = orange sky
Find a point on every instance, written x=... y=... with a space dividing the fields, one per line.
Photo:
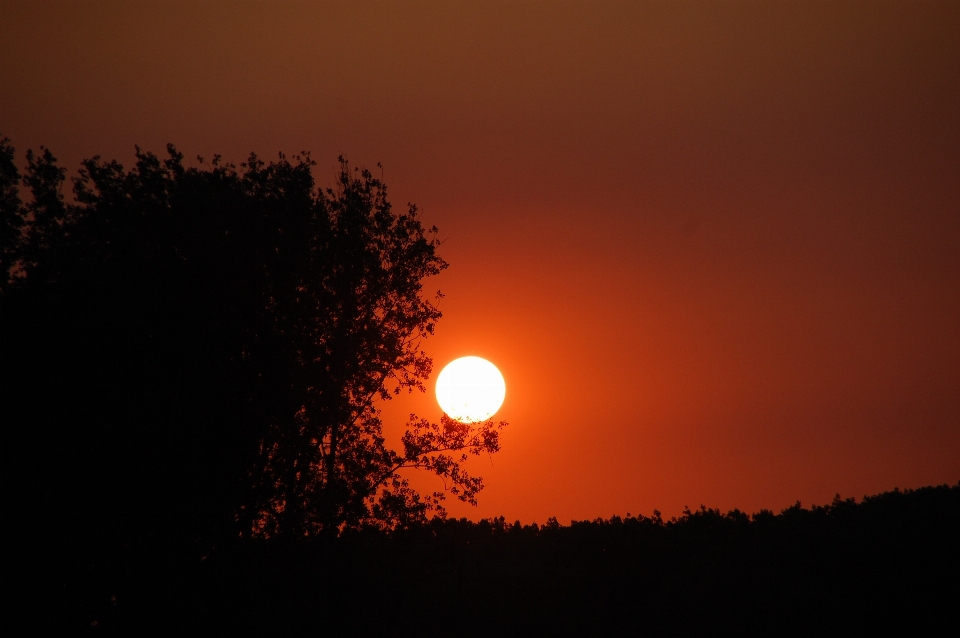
x=714 y=248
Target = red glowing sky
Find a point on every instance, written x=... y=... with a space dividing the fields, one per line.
x=714 y=248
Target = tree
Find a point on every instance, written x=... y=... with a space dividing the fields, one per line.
x=330 y=467
x=206 y=347
x=11 y=212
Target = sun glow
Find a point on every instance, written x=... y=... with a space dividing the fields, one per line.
x=470 y=389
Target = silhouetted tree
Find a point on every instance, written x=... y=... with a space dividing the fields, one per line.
x=11 y=212
x=355 y=319
x=188 y=347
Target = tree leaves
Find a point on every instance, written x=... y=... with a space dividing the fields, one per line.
x=229 y=333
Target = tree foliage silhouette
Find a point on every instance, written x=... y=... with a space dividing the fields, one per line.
x=210 y=345
x=11 y=211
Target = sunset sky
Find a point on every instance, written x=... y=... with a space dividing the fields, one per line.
x=713 y=247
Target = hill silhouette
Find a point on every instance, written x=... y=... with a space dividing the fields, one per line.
x=889 y=561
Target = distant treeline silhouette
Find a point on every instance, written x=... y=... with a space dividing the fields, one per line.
x=890 y=562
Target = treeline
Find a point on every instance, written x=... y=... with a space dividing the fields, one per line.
x=889 y=561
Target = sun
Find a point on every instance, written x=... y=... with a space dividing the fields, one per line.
x=470 y=389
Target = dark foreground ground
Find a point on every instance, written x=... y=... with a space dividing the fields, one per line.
x=890 y=562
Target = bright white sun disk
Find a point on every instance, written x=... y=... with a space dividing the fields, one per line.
x=470 y=389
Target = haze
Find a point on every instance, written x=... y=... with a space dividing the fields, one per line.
x=714 y=248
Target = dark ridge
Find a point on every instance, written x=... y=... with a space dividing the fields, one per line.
x=891 y=560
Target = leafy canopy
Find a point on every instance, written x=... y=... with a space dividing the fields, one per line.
x=219 y=339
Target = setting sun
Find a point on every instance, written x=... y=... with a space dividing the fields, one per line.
x=470 y=389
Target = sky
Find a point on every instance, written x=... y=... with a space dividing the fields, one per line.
x=714 y=248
